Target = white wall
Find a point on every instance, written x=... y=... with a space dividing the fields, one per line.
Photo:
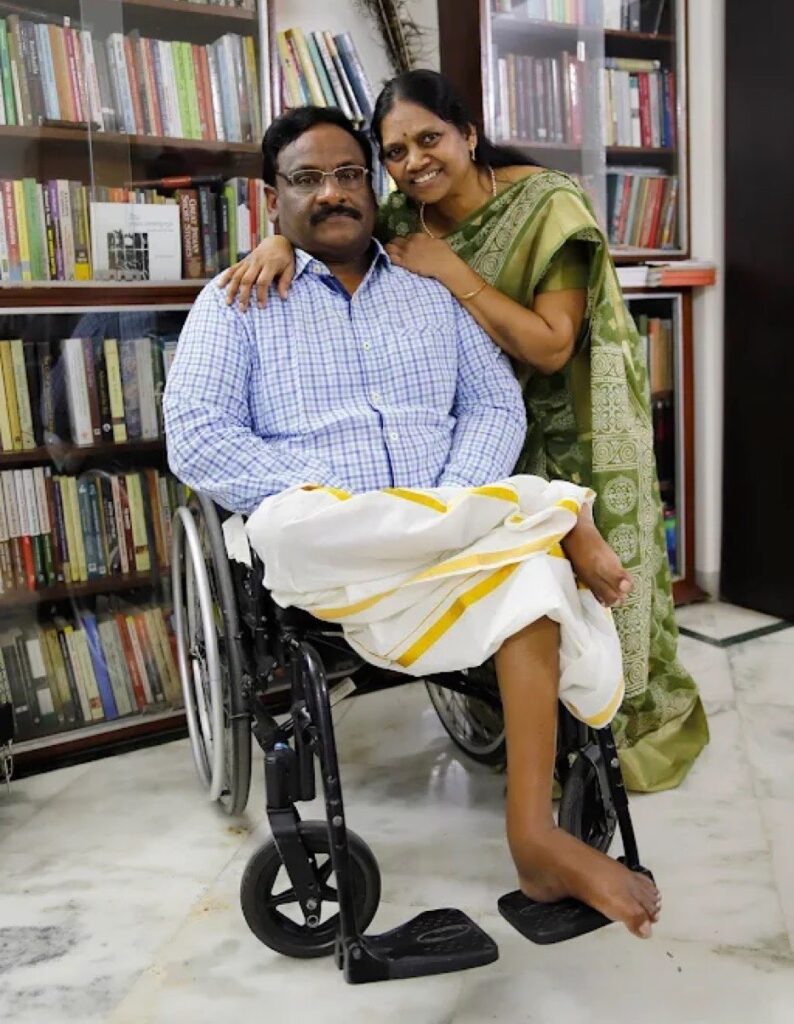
x=707 y=189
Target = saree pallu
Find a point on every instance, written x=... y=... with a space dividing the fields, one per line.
x=591 y=424
x=425 y=581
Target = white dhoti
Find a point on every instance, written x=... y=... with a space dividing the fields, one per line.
x=427 y=581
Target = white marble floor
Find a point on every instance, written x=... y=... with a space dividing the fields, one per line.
x=119 y=884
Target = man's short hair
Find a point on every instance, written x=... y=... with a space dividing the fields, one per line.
x=290 y=126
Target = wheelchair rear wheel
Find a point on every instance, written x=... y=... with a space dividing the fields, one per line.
x=474 y=726
x=271 y=908
x=209 y=655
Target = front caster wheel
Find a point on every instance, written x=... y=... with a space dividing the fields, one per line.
x=270 y=905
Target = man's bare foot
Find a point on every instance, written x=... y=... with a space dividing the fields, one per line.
x=595 y=563
x=554 y=865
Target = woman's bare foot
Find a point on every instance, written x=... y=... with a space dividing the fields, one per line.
x=554 y=865
x=595 y=563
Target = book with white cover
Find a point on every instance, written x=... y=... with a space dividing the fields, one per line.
x=136 y=242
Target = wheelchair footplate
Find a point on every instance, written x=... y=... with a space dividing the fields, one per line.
x=547 y=923
x=433 y=942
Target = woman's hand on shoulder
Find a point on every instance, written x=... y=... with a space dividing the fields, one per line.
x=273 y=259
x=422 y=255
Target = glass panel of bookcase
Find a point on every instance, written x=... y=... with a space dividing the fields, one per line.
x=541 y=80
x=131 y=139
x=658 y=321
x=85 y=512
x=591 y=87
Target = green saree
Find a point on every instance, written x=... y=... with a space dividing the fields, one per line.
x=591 y=424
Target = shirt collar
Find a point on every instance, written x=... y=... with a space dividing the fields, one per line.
x=305 y=261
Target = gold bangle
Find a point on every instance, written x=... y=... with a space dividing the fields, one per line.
x=470 y=295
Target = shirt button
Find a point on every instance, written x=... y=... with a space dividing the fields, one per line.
x=366 y=346
x=393 y=435
x=376 y=396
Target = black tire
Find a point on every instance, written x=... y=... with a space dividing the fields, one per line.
x=237 y=739
x=474 y=726
x=583 y=812
x=280 y=932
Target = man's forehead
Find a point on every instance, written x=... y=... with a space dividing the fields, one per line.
x=324 y=146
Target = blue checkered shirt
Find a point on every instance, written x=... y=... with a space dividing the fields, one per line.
x=394 y=386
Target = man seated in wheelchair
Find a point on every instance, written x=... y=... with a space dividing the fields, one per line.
x=368 y=427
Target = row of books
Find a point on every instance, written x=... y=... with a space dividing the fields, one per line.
x=53 y=73
x=324 y=70
x=84 y=391
x=48 y=229
x=539 y=99
x=66 y=529
x=638 y=102
x=90 y=668
x=621 y=15
x=657 y=334
x=642 y=208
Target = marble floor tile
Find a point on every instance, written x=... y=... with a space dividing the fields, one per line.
x=144 y=810
x=763 y=669
x=718 y=620
x=769 y=731
x=74 y=938
x=609 y=976
x=711 y=670
x=722 y=770
x=778 y=816
x=23 y=799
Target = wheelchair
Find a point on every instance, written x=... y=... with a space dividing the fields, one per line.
x=249 y=667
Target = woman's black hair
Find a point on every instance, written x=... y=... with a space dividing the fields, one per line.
x=436 y=93
x=290 y=126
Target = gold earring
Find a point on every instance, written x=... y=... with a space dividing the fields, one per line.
x=471 y=153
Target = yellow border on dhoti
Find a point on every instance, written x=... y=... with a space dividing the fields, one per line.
x=445 y=622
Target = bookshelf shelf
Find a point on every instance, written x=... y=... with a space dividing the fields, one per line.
x=100 y=293
x=83 y=137
x=72 y=453
x=184 y=7
x=76 y=591
x=506 y=25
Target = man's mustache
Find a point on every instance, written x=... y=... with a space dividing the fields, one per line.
x=331 y=211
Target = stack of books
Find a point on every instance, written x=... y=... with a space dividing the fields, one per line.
x=642 y=208
x=82 y=390
x=65 y=529
x=638 y=101
x=540 y=98
x=324 y=70
x=692 y=273
x=61 y=74
x=89 y=668
x=46 y=228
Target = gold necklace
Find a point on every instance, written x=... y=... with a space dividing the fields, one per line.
x=427 y=230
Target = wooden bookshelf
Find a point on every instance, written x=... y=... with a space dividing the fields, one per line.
x=46 y=312
x=71 y=453
x=81 y=136
x=76 y=591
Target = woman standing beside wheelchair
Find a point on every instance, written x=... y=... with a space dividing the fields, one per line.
x=520 y=247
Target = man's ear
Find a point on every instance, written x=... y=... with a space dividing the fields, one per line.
x=271 y=197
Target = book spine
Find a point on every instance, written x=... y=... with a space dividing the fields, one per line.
x=26 y=432
x=86 y=525
x=138 y=521
x=89 y=367
x=73 y=673
x=189 y=224
x=103 y=390
x=80 y=558
x=117 y=669
x=9 y=100
x=115 y=390
x=99 y=666
x=132 y=662
x=12 y=404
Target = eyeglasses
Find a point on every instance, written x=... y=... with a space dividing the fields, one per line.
x=310 y=179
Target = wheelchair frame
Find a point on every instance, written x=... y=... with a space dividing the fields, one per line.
x=234 y=644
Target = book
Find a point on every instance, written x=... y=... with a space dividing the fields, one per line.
x=138 y=242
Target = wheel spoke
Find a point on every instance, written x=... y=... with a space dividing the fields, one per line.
x=278 y=900
x=329 y=894
x=325 y=872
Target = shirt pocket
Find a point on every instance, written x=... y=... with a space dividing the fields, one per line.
x=425 y=358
